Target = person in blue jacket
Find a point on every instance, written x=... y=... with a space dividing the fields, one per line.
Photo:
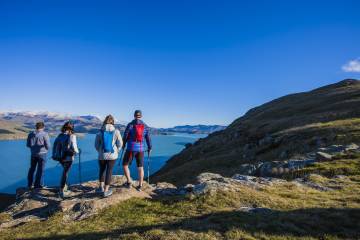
x=39 y=143
x=135 y=135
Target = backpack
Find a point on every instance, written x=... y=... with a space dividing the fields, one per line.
x=62 y=148
x=139 y=131
x=107 y=137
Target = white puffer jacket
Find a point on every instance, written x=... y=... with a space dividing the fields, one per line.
x=117 y=143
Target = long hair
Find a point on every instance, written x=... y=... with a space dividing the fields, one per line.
x=109 y=120
x=68 y=126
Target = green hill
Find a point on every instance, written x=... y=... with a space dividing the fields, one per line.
x=282 y=129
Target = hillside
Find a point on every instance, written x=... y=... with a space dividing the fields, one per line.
x=324 y=205
x=282 y=129
x=12 y=130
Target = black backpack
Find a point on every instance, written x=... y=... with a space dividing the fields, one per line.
x=62 y=148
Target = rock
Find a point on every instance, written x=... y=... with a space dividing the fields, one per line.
x=298 y=164
x=340 y=177
x=204 y=177
x=82 y=202
x=351 y=147
x=322 y=156
x=258 y=210
x=243 y=177
x=270 y=168
x=164 y=188
x=247 y=169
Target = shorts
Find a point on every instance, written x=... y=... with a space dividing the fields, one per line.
x=129 y=155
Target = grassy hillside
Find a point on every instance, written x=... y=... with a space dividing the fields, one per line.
x=285 y=128
x=12 y=130
x=298 y=212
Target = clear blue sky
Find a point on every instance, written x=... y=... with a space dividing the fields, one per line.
x=181 y=62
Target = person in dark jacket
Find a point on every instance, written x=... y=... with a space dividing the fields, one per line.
x=136 y=133
x=39 y=143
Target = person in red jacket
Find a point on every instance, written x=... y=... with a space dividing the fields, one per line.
x=135 y=135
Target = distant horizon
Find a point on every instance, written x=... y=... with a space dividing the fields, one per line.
x=187 y=62
x=124 y=121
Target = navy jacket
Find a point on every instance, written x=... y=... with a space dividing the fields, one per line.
x=38 y=142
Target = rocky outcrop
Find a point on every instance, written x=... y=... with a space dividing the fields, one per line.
x=81 y=203
x=280 y=168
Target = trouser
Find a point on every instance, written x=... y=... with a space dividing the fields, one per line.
x=37 y=163
x=66 y=169
x=106 y=168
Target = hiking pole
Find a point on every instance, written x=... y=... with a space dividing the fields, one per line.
x=80 y=179
x=148 y=167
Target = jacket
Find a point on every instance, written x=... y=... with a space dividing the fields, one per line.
x=117 y=143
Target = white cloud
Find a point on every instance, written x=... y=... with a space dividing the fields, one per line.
x=352 y=66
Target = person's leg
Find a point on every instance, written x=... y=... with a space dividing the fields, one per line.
x=126 y=161
x=140 y=167
x=102 y=167
x=66 y=168
x=109 y=168
x=32 y=168
x=41 y=160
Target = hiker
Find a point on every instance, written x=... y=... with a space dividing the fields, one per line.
x=64 y=150
x=108 y=143
x=39 y=143
x=135 y=134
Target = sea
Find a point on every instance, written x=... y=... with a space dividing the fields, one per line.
x=15 y=161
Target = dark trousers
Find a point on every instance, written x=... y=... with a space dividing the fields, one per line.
x=106 y=166
x=66 y=168
x=37 y=163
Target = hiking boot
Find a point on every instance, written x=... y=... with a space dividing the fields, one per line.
x=138 y=188
x=127 y=185
x=108 y=193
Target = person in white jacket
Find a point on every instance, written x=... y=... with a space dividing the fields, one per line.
x=108 y=143
x=67 y=132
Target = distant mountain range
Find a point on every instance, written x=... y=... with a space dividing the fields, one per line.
x=16 y=125
x=196 y=129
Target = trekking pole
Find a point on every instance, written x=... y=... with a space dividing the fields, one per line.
x=80 y=179
x=148 y=168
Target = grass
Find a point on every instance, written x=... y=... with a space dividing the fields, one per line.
x=299 y=213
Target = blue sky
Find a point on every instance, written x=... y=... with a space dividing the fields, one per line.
x=181 y=62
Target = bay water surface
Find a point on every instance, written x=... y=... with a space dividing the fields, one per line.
x=15 y=160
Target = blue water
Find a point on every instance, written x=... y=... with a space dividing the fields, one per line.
x=15 y=160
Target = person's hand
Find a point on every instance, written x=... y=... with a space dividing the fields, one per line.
x=149 y=151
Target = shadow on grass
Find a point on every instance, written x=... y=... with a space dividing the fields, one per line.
x=312 y=222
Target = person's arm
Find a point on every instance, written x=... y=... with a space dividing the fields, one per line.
x=148 y=138
x=47 y=142
x=119 y=141
x=74 y=143
x=126 y=135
